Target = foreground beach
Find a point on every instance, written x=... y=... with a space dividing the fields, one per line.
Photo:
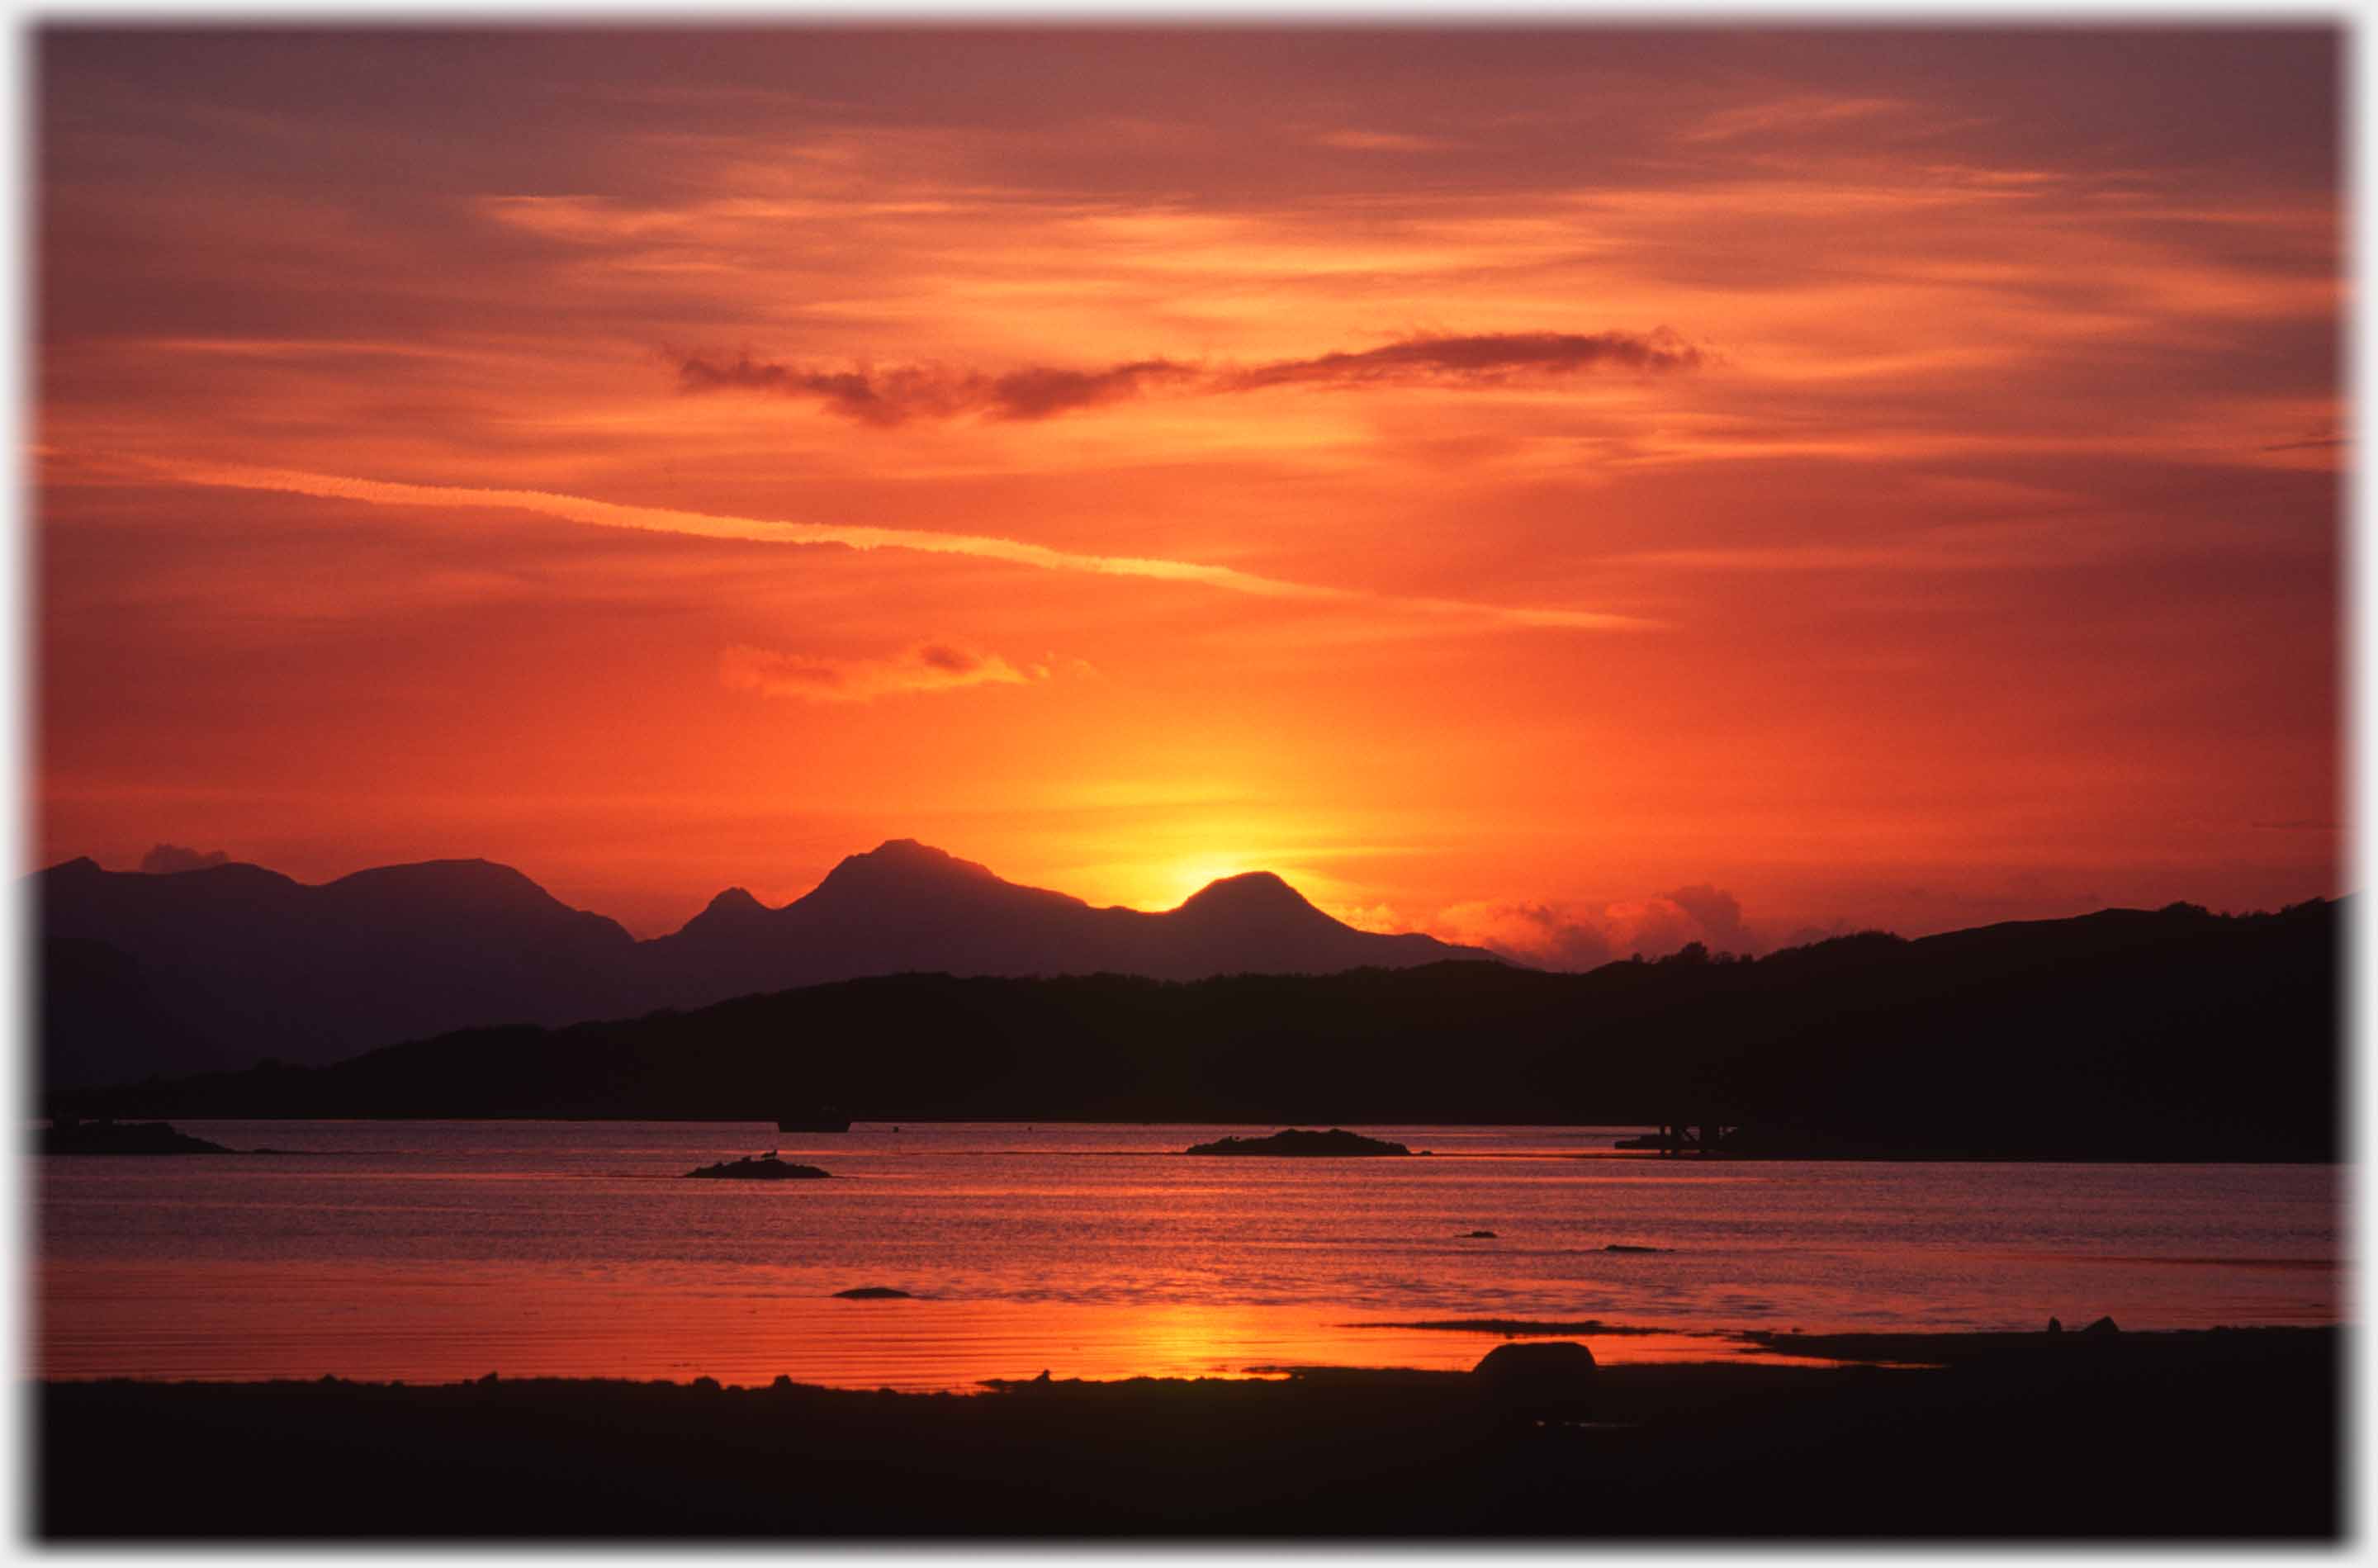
x=2220 y=1433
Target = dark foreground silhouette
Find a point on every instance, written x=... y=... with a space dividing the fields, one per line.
x=2225 y=1434
x=1296 y=1142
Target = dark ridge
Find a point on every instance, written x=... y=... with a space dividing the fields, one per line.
x=223 y=965
x=2172 y=1035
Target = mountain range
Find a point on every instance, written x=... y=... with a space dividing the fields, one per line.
x=217 y=967
x=2141 y=1034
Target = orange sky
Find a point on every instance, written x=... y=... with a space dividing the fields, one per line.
x=1579 y=490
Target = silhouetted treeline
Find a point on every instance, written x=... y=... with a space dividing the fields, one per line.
x=2173 y=1034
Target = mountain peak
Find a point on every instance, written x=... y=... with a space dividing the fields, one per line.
x=734 y=910
x=474 y=874
x=908 y=861
x=734 y=900
x=1250 y=893
x=909 y=851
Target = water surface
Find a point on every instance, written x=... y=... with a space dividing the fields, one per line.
x=431 y=1251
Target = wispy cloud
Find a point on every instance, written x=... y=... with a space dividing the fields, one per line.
x=929 y=666
x=1480 y=358
x=2309 y=443
x=1786 y=114
x=895 y=396
x=1353 y=139
x=857 y=536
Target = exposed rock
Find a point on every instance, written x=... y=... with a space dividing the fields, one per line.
x=1298 y=1143
x=1475 y=1236
x=2103 y=1325
x=874 y=1293
x=1622 y=1246
x=747 y=1168
x=2054 y=1326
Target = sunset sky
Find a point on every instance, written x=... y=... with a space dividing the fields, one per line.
x=1581 y=490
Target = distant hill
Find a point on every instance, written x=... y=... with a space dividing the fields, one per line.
x=2166 y=1034
x=228 y=964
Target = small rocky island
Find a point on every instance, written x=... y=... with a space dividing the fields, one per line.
x=758 y=1167
x=1297 y=1142
x=72 y=1135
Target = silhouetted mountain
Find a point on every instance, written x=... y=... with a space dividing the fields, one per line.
x=906 y=907
x=237 y=963
x=143 y=1023
x=2131 y=1034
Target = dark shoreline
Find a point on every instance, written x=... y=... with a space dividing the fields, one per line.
x=2226 y=1433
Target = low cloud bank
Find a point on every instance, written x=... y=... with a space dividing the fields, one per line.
x=1569 y=936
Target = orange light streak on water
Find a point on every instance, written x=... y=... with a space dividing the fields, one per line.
x=249 y=1321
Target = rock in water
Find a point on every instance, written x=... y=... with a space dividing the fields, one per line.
x=874 y=1293
x=2103 y=1325
x=750 y=1169
x=1297 y=1142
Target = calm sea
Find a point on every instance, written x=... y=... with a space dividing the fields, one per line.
x=433 y=1250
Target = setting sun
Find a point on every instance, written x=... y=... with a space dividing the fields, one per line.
x=1268 y=783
